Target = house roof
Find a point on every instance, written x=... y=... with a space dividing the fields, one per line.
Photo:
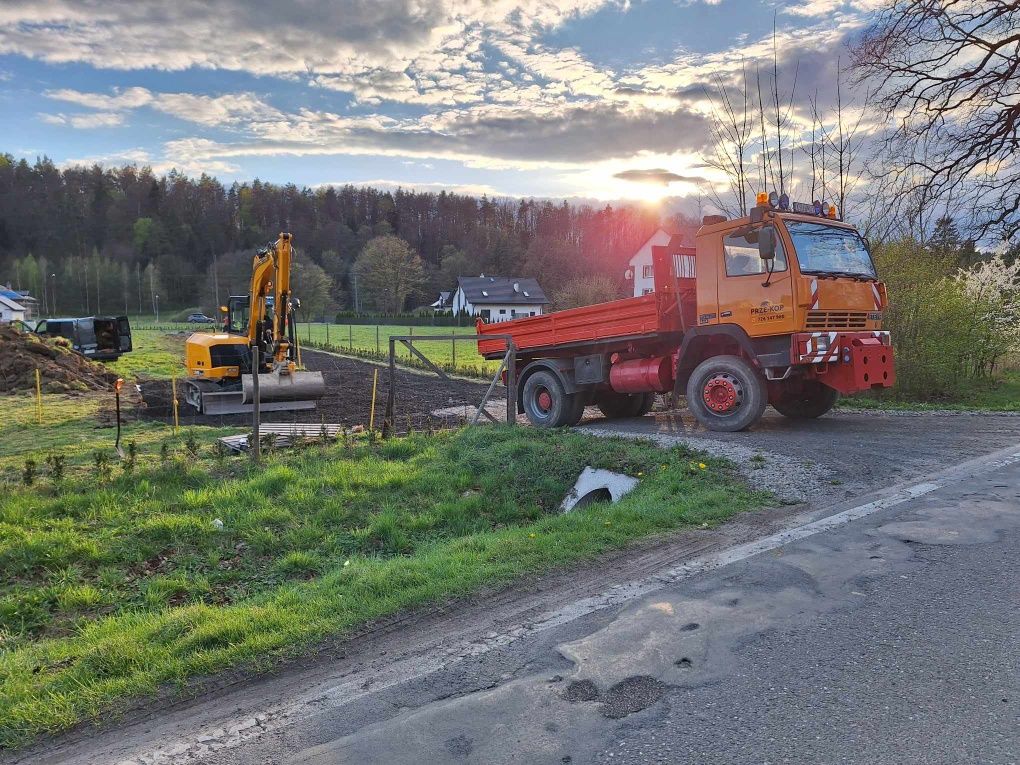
x=508 y=290
x=444 y=299
x=21 y=297
x=10 y=303
x=677 y=237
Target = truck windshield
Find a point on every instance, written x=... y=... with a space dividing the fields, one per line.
x=825 y=249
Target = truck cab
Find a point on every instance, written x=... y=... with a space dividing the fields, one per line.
x=779 y=307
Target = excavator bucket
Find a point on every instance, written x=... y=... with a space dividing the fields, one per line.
x=296 y=390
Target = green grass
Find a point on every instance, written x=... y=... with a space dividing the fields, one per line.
x=363 y=340
x=360 y=340
x=997 y=395
x=155 y=354
x=114 y=588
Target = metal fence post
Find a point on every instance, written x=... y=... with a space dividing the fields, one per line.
x=391 y=394
x=511 y=383
x=256 y=446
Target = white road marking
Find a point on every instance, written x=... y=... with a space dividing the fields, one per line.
x=240 y=730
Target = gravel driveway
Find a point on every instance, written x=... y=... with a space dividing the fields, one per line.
x=835 y=457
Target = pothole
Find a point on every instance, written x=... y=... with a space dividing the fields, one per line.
x=631 y=695
x=581 y=690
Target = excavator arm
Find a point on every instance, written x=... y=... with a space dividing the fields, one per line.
x=270 y=274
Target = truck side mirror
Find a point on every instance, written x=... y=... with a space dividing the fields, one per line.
x=767 y=242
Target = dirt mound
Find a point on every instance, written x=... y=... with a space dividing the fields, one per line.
x=62 y=370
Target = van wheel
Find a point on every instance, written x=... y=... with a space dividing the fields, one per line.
x=616 y=405
x=725 y=393
x=806 y=400
x=546 y=403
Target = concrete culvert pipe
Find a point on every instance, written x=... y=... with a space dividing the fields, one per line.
x=595 y=485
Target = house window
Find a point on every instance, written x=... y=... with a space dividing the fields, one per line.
x=646 y=272
x=502 y=312
x=486 y=314
x=647 y=291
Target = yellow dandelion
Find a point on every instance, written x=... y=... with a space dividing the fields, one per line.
x=640 y=474
x=531 y=536
x=702 y=466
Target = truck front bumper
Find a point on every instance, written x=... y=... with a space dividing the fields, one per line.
x=849 y=362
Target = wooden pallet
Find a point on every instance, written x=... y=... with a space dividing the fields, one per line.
x=286 y=434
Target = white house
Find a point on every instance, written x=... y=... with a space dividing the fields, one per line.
x=498 y=298
x=640 y=265
x=11 y=311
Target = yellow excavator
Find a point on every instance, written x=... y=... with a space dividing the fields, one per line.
x=220 y=374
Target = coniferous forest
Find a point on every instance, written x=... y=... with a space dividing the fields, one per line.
x=93 y=239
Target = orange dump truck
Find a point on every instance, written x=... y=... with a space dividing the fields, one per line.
x=781 y=307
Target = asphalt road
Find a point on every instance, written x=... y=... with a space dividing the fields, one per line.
x=877 y=622
x=891 y=639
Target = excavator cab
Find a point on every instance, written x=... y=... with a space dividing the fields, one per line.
x=236 y=316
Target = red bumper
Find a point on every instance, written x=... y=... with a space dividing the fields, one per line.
x=849 y=362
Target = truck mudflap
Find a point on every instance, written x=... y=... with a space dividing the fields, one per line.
x=849 y=362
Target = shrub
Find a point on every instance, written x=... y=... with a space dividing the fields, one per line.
x=936 y=320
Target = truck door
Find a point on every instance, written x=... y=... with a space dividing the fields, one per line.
x=744 y=298
x=124 y=331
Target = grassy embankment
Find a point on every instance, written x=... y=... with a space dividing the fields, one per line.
x=120 y=580
x=1001 y=394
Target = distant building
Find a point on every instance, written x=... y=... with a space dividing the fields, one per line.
x=444 y=303
x=28 y=303
x=11 y=310
x=640 y=265
x=498 y=298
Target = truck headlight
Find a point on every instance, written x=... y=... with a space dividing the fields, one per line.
x=822 y=343
x=846 y=354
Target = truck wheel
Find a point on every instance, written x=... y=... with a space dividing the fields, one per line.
x=546 y=403
x=616 y=405
x=807 y=400
x=725 y=393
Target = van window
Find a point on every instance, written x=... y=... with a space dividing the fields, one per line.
x=742 y=259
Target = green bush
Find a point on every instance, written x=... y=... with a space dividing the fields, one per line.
x=938 y=330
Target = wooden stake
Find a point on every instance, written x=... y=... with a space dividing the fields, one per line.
x=375 y=383
x=173 y=386
x=38 y=395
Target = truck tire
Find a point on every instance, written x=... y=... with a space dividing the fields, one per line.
x=725 y=393
x=616 y=405
x=806 y=400
x=547 y=404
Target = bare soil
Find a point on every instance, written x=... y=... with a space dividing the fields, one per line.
x=348 y=399
x=61 y=369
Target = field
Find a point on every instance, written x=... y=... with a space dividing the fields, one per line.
x=121 y=578
x=368 y=341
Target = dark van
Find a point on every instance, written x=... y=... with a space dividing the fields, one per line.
x=103 y=338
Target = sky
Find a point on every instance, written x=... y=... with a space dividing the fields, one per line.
x=594 y=99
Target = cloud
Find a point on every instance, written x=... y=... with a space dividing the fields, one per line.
x=473 y=189
x=318 y=37
x=84 y=121
x=657 y=176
